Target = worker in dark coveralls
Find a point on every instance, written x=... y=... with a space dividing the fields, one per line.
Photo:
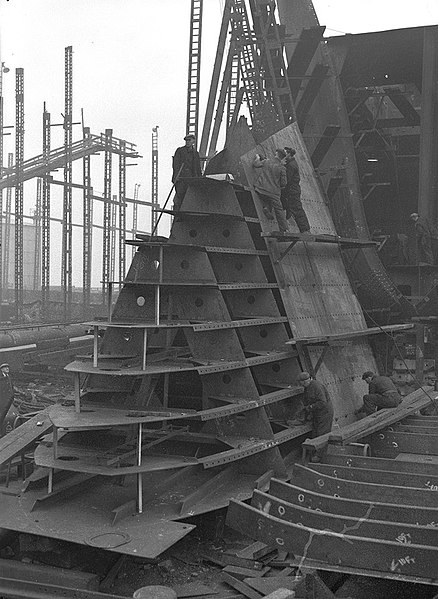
x=268 y=183
x=291 y=194
x=317 y=408
x=423 y=234
x=185 y=163
x=382 y=393
x=6 y=392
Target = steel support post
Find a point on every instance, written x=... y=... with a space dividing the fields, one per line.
x=135 y=215
x=106 y=214
x=19 y=158
x=428 y=170
x=7 y=235
x=112 y=232
x=45 y=257
x=88 y=228
x=37 y=223
x=194 y=67
x=122 y=210
x=66 y=270
x=154 y=179
x=1 y=190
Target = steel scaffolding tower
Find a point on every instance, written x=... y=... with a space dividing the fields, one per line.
x=106 y=214
x=194 y=72
x=112 y=236
x=45 y=255
x=135 y=215
x=122 y=210
x=154 y=179
x=37 y=222
x=67 y=230
x=88 y=227
x=7 y=235
x=19 y=159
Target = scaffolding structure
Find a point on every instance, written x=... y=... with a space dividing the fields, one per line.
x=57 y=299
x=154 y=179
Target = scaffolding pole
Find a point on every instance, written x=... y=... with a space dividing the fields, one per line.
x=135 y=216
x=45 y=256
x=19 y=159
x=37 y=223
x=154 y=179
x=88 y=228
x=122 y=210
x=194 y=72
x=7 y=235
x=67 y=230
x=113 y=218
x=106 y=215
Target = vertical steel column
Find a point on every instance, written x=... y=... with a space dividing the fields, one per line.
x=215 y=79
x=194 y=67
x=88 y=229
x=112 y=235
x=122 y=210
x=428 y=169
x=45 y=258
x=135 y=215
x=232 y=102
x=154 y=179
x=106 y=214
x=37 y=223
x=1 y=190
x=7 y=235
x=67 y=230
x=19 y=158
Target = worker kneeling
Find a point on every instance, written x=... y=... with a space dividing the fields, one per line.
x=382 y=393
x=317 y=408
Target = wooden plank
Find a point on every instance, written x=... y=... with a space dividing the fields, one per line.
x=248 y=552
x=356 y=527
x=240 y=586
x=314 y=481
x=242 y=573
x=269 y=585
x=15 y=442
x=326 y=545
x=357 y=508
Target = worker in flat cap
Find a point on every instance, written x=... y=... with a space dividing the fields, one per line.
x=317 y=408
x=185 y=163
x=6 y=392
x=382 y=393
x=269 y=180
x=423 y=236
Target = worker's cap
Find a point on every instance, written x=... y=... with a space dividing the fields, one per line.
x=367 y=374
x=413 y=215
x=290 y=151
x=303 y=376
x=189 y=136
x=4 y=365
x=281 y=153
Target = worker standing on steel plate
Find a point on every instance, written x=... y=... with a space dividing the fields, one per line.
x=268 y=184
x=382 y=393
x=317 y=408
x=6 y=392
x=185 y=163
x=291 y=194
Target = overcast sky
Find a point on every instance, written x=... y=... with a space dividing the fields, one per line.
x=130 y=68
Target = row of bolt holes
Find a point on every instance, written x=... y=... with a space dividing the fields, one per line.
x=194 y=233
x=199 y=302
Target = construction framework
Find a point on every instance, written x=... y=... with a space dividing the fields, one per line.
x=40 y=168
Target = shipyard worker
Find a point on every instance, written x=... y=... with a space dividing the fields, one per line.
x=382 y=393
x=6 y=392
x=317 y=407
x=423 y=235
x=185 y=163
x=291 y=194
x=269 y=180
